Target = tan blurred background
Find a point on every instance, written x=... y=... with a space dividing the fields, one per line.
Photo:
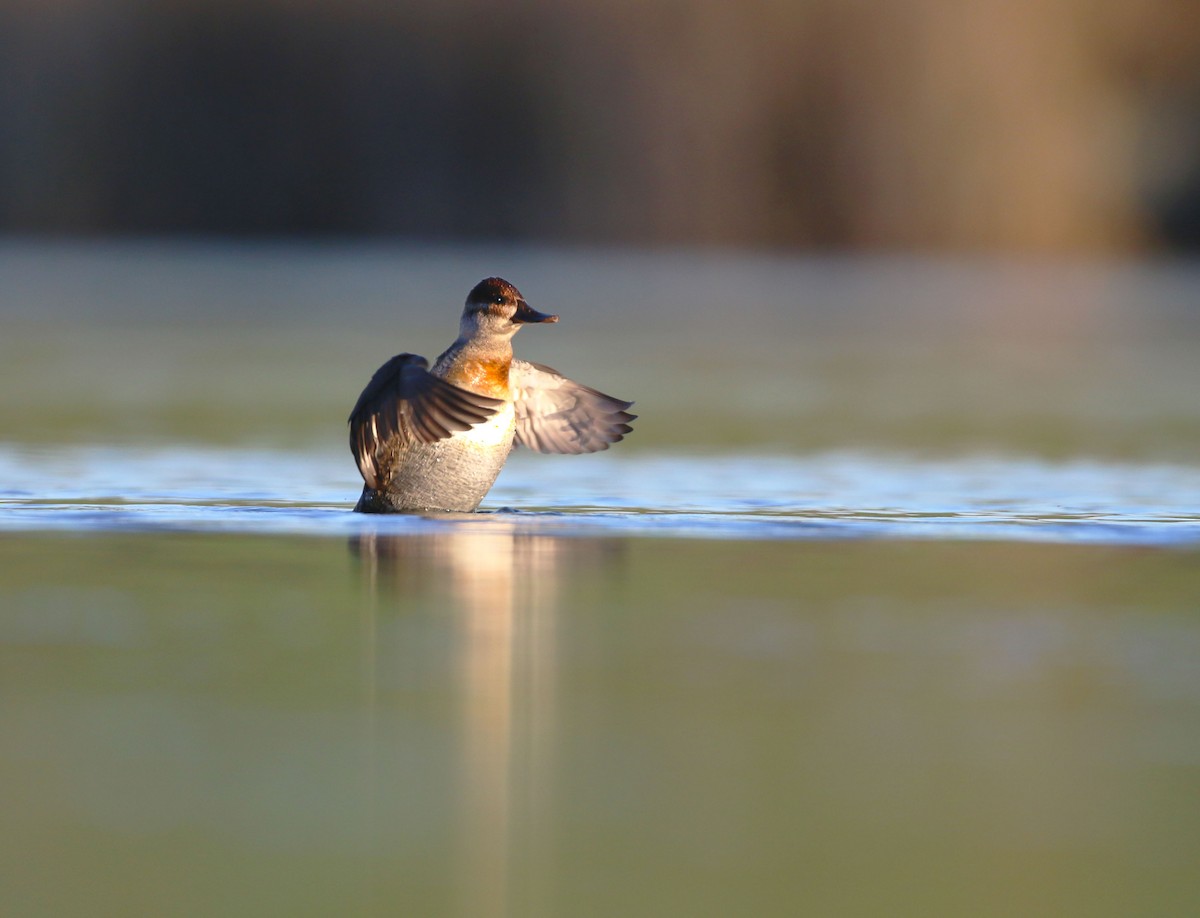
x=1024 y=125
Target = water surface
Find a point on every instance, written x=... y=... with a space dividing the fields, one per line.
x=718 y=495
x=888 y=606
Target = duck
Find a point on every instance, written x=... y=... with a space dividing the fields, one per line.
x=435 y=439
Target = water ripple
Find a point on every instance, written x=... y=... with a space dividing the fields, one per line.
x=834 y=495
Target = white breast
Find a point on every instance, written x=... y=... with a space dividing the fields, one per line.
x=494 y=431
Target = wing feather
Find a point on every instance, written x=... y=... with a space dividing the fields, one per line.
x=559 y=415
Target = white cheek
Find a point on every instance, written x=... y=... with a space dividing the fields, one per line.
x=491 y=432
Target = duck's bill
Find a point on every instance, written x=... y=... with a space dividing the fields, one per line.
x=526 y=314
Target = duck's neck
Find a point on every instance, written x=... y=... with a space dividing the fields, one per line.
x=479 y=365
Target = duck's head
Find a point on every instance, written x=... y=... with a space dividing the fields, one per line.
x=496 y=307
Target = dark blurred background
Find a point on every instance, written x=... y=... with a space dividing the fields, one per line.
x=1023 y=125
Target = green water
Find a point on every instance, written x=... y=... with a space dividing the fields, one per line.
x=785 y=651
x=494 y=724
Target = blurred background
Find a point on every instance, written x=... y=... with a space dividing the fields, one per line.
x=887 y=606
x=1056 y=126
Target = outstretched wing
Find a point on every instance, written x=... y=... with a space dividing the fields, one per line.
x=558 y=415
x=404 y=404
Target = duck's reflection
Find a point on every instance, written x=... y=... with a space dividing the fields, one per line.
x=506 y=590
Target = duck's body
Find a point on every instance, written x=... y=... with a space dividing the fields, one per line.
x=435 y=439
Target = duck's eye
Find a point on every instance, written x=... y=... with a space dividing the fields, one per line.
x=498 y=299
